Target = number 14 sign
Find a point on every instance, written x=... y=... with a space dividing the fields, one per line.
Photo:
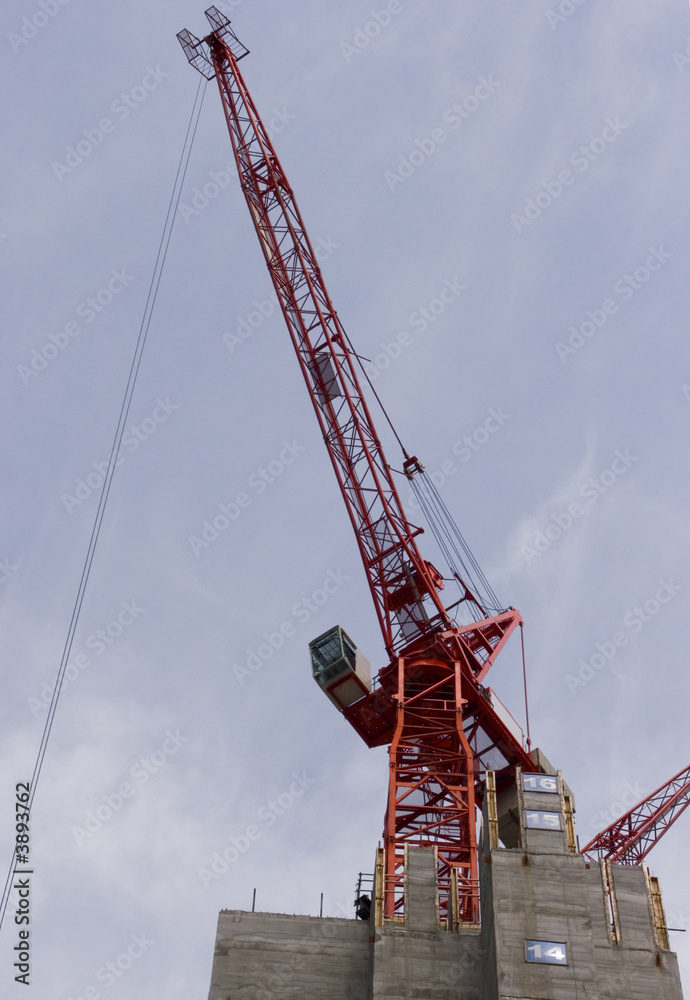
x=546 y=952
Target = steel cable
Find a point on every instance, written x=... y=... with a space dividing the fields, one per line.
x=117 y=440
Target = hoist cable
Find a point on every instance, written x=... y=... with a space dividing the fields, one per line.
x=440 y=521
x=438 y=516
x=117 y=440
x=451 y=541
x=448 y=519
x=524 y=679
x=354 y=354
x=444 y=540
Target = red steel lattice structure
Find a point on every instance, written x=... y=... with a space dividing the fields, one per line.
x=429 y=705
x=629 y=840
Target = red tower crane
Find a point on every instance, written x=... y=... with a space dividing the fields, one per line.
x=428 y=704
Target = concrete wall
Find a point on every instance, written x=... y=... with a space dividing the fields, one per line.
x=274 y=955
x=540 y=889
x=542 y=896
x=420 y=960
x=635 y=968
x=543 y=891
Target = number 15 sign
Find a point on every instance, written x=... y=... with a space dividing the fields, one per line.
x=538 y=819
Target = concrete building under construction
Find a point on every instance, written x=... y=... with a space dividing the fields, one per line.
x=554 y=926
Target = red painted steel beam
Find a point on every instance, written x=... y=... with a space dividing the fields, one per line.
x=631 y=837
x=399 y=578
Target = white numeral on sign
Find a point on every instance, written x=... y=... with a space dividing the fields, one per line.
x=540 y=783
x=546 y=952
x=541 y=820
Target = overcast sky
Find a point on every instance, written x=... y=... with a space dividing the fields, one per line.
x=531 y=164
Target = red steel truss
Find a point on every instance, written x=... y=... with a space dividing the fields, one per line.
x=431 y=784
x=398 y=576
x=429 y=703
x=630 y=839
